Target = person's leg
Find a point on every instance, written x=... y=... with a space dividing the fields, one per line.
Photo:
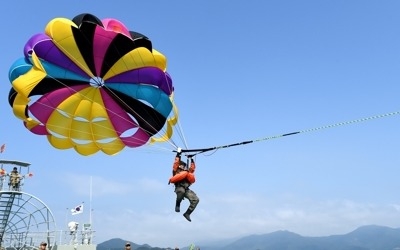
x=194 y=200
x=180 y=194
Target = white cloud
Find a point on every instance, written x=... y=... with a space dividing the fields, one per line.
x=101 y=186
x=235 y=215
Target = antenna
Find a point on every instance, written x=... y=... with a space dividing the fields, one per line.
x=90 y=202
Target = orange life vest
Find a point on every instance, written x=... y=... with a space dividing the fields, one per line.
x=190 y=178
x=181 y=176
x=178 y=177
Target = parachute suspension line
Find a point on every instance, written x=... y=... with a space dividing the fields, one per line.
x=170 y=141
x=181 y=135
x=104 y=86
x=90 y=82
x=203 y=150
x=126 y=105
x=76 y=92
x=164 y=130
x=157 y=146
x=84 y=97
x=168 y=130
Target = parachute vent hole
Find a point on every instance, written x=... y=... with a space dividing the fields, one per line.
x=96 y=82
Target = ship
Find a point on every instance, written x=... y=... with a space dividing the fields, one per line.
x=26 y=221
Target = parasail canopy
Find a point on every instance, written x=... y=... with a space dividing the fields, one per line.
x=93 y=85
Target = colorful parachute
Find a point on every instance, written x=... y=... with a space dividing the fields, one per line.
x=93 y=85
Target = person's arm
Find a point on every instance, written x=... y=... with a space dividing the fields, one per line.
x=176 y=161
x=192 y=167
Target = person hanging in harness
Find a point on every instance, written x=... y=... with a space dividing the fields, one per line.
x=182 y=178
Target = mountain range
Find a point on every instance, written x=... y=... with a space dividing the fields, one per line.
x=370 y=237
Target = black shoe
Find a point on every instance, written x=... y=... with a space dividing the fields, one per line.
x=187 y=216
x=177 y=209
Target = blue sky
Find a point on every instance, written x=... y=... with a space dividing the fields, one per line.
x=241 y=71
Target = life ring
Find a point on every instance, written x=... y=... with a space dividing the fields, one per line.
x=190 y=177
x=178 y=177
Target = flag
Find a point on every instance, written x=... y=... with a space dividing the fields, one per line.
x=77 y=210
x=2 y=148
